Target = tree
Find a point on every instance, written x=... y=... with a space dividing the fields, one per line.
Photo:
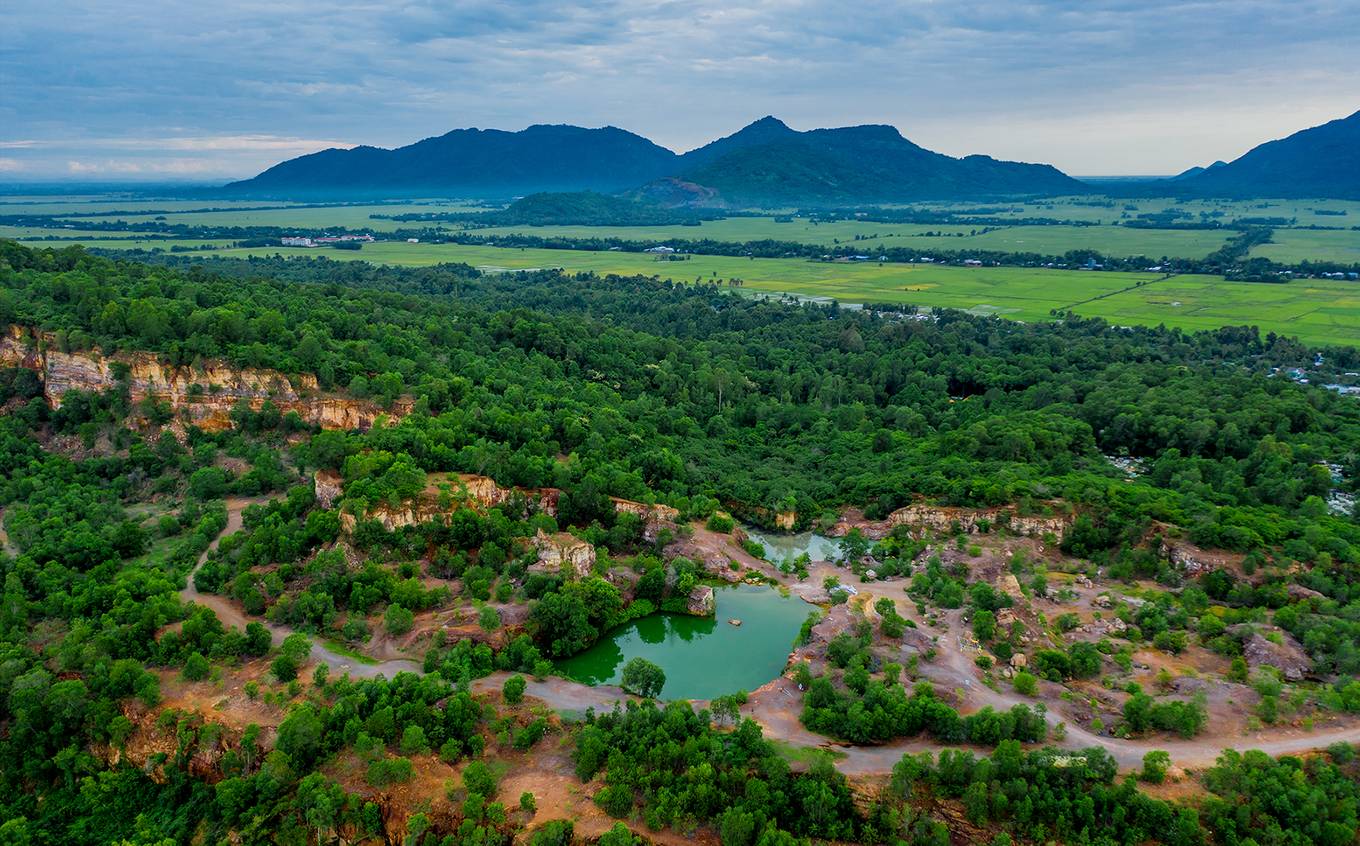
x=197 y=667
x=643 y=678
x=513 y=689
x=478 y=779
x=1155 y=765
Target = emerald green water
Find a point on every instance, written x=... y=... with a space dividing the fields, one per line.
x=704 y=657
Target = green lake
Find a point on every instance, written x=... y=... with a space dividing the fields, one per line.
x=704 y=657
x=779 y=547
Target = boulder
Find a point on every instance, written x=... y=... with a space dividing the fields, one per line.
x=1287 y=657
x=702 y=602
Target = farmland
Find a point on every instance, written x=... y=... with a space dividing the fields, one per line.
x=1317 y=311
x=1051 y=240
x=1292 y=245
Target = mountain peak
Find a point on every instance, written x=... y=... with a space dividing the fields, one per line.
x=766 y=123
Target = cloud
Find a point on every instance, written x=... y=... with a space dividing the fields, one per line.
x=10 y=165
x=1097 y=86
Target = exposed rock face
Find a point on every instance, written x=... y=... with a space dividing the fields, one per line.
x=1193 y=560
x=937 y=519
x=445 y=494
x=328 y=487
x=202 y=396
x=922 y=518
x=562 y=554
x=1287 y=657
x=654 y=517
x=702 y=602
x=785 y=520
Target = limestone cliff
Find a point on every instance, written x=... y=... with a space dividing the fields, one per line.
x=447 y=492
x=562 y=554
x=203 y=396
x=934 y=518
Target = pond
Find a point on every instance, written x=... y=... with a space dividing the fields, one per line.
x=703 y=657
x=779 y=547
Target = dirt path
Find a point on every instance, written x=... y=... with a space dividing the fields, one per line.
x=778 y=704
x=233 y=616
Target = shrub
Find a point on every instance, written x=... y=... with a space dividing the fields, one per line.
x=721 y=523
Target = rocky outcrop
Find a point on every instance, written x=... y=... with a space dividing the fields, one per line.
x=702 y=602
x=328 y=487
x=1192 y=560
x=562 y=554
x=1286 y=656
x=921 y=518
x=654 y=517
x=202 y=396
x=446 y=493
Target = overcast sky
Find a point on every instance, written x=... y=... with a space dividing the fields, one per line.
x=117 y=89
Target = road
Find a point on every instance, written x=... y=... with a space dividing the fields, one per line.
x=954 y=670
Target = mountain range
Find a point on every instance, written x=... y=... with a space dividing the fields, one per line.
x=768 y=164
x=764 y=163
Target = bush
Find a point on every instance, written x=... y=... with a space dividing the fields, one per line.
x=197 y=667
x=387 y=771
x=1025 y=684
x=513 y=689
x=721 y=523
x=398 y=620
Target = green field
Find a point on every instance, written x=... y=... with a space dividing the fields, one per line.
x=350 y=217
x=1316 y=311
x=1321 y=311
x=1295 y=245
x=1102 y=210
x=1049 y=240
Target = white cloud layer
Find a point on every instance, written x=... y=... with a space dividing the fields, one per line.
x=1101 y=86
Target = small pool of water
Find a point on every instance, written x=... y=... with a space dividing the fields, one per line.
x=703 y=657
x=779 y=547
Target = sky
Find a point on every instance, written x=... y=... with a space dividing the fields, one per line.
x=204 y=91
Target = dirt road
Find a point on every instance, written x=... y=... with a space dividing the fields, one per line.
x=233 y=616
x=778 y=707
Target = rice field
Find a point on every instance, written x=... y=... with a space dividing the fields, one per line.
x=1316 y=311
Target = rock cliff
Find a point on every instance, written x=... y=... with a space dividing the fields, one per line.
x=446 y=492
x=562 y=554
x=920 y=518
x=203 y=396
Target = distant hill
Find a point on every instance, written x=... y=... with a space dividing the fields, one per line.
x=1196 y=171
x=769 y=164
x=765 y=163
x=471 y=163
x=1321 y=162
